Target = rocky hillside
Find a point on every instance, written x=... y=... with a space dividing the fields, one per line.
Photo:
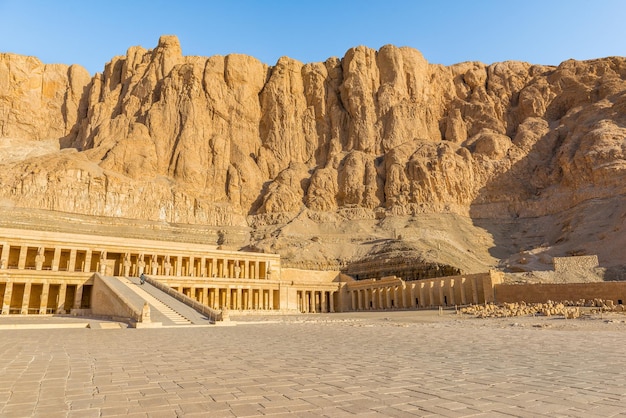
x=471 y=165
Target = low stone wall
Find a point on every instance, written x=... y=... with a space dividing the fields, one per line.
x=540 y=293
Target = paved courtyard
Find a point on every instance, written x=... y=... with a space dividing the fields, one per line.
x=382 y=364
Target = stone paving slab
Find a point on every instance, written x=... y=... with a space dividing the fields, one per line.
x=384 y=364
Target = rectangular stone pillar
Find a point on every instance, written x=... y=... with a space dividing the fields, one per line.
x=72 y=264
x=323 y=302
x=239 y=296
x=6 y=301
x=442 y=297
x=87 y=268
x=4 y=256
x=431 y=293
x=78 y=296
x=61 y=308
x=179 y=266
x=256 y=270
x=388 y=297
x=26 y=298
x=270 y=294
x=451 y=288
x=353 y=300
x=21 y=264
x=463 y=297
x=56 y=259
x=203 y=272
x=402 y=297
x=412 y=295
x=228 y=291
x=332 y=302
x=246 y=269
x=43 y=301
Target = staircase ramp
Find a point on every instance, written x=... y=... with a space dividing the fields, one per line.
x=163 y=307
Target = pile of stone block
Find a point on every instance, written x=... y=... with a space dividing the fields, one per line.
x=506 y=310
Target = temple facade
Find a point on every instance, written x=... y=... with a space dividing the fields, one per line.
x=45 y=272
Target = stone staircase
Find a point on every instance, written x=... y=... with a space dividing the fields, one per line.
x=172 y=317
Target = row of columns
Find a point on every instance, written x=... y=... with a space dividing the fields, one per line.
x=57 y=307
x=88 y=260
x=240 y=298
x=419 y=294
x=313 y=301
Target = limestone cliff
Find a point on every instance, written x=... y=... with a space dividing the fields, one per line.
x=347 y=151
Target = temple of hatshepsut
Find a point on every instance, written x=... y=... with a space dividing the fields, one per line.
x=61 y=273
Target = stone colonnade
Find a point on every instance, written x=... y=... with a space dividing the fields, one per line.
x=394 y=293
x=316 y=301
x=116 y=262
x=43 y=272
x=44 y=296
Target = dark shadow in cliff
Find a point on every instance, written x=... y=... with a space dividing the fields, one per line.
x=506 y=205
x=69 y=140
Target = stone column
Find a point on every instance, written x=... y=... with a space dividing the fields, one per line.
x=451 y=288
x=205 y=296
x=72 y=263
x=43 y=300
x=40 y=258
x=127 y=264
x=441 y=295
x=266 y=299
x=141 y=265
x=6 y=301
x=403 y=290
x=431 y=293
x=359 y=299
x=61 y=308
x=412 y=293
x=21 y=264
x=78 y=296
x=332 y=302
x=88 y=255
x=192 y=267
x=366 y=294
x=103 y=262
x=228 y=303
x=56 y=259
x=154 y=264
x=323 y=302
x=422 y=295
x=381 y=305
x=26 y=298
x=388 y=298
x=256 y=270
x=353 y=299
x=213 y=272
x=239 y=294
x=203 y=272
x=463 y=297
x=246 y=269
x=4 y=256
x=270 y=294
x=179 y=265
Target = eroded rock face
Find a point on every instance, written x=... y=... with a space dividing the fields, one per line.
x=231 y=141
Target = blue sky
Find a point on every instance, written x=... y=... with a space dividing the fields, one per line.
x=90 y=33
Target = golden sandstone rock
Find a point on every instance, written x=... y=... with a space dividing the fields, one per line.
x=359 y=147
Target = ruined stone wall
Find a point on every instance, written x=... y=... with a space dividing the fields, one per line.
x=540 y=293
